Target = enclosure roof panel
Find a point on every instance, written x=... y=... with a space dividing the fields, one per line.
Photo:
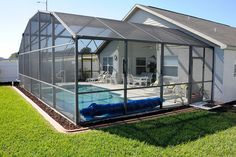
x=169 y=35
x=93 y=27
x=108 y=29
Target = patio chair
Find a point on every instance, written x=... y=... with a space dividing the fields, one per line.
x=147 y=74
x=112 y=78
x=166 y=81
x=150 y=75
x=136 y=80
x=179 y=92
x=167 y=89
x=129 y=79
x=157 y=82
x=101 y=78
x=140 y=80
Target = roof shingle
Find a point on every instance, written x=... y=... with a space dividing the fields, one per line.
x=221 y=32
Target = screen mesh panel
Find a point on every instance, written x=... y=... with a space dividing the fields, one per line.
x=85 y=26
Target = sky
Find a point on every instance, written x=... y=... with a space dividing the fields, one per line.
x=14 y=14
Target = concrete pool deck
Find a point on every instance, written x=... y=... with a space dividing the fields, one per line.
x=171 y=99
x=142 y=93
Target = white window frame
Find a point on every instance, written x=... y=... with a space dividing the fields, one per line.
x=108 y=65
x=171 y=65
x=140 y=66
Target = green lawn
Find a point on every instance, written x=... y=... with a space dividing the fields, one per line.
x=23 y=132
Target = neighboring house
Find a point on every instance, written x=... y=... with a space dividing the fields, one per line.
x=8 y=70
x=220 y=36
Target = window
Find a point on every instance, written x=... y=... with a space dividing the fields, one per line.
x=235 y=70
x=140 y=65
x=107 y=64
x=170 y=66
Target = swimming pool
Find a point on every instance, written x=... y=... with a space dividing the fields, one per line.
x=99 y=104
x=106 y=97
x=85 y=100
x=65 y=101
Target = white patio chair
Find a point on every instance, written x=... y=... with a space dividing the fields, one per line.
x=112 y=78
x=129 y=79
x=140 y=80
x=179 y=92
x=136 y=80
x=156 y=83
x=101 y=78
x=149 y=75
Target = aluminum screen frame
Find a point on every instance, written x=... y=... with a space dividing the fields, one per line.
x=88 y=27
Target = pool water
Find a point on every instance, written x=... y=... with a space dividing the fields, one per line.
x=99 y=98
x=98 y=104
x=90 y=88
x=87 y=99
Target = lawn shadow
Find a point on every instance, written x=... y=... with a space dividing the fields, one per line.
x=174 y=130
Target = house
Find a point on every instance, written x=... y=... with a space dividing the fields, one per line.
x=91 y=69
x=8 y=70
x=222 y=37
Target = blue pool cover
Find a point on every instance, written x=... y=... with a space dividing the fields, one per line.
x=109 y=110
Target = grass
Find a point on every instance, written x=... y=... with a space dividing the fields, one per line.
x=23 y=132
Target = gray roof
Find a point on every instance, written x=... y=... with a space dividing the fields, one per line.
x=223 y=33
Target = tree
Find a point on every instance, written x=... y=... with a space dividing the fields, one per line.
x=14 y=56
x=86 y=50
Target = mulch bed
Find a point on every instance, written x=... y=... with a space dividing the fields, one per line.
x=57 y=117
